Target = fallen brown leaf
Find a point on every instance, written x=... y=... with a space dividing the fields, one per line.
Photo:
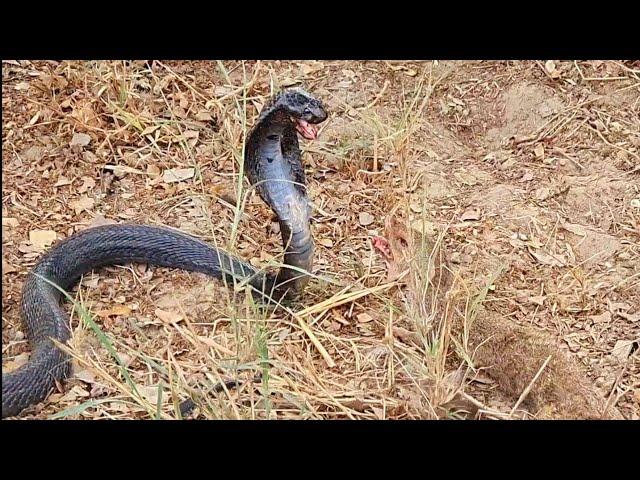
x=117 y=310
x=99 y=220
x=326 y=242
x=83 y=203
x=365 y=218
x=172 y=175
x=87 y=184
x=41 y=239
x=470 y=215
x=7 y=267
x=9 y=222
x=62 y=180
x=80 y=139
x=364 y=317
x=538 y=300
x=168 y=316
x=204 y=116
x=575 y=229
x=546 y=259
x=622 y=349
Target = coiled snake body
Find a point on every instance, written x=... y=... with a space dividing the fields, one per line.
x=272 y=164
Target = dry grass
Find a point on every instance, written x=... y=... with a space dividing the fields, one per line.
x=507 y=193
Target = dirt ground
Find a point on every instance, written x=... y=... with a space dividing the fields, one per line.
x=524 y=175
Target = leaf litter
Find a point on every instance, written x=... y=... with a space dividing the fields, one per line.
x=210 y=335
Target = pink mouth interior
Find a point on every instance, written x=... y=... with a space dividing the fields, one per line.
x=308 y=131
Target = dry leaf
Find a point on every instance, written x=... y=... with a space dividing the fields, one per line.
x=308 y=68
x=169 y=300
x=168 y=316
x=470 y=215
x=539 y=151
x=326 y=242
x=575 y=229
x=604 y=317
x=99 y=220
x=83 y=203
x=334 y=326
x=150 y=393
x=204 y=116
x=9 y=222
x=552 y=70
x=172 y=175
x=76 y=392
x=466 y=178
x=33 y=154
x=17 y=362
x=424 y=227
x=80 y=139
x=546 y=259
x=404 y=69
x=62 y=180
x=41 y=239
x=630 y=317
x=407 y=336
x=7 y=267
x=538 y=300
x=364 y=317
x=87 y=184
x=35 y=118
x=117 y=310
x=622 y=349
x=543 y=193
x=618 y=307
x=126 y=358
x=550 y=66
x=415 y=207
x=91 y=282
x=221 y=90
x=365 y=218
x=149 y=130
x=191 y=137
x=121 y=170
x=87 y=376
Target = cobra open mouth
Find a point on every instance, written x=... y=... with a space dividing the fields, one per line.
x=307 y=130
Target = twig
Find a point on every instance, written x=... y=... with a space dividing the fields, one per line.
x=379 y=96
x=316 y=342
x=530 y=386
x=615 y=386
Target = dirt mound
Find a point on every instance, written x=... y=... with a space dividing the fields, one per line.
x=526 y=108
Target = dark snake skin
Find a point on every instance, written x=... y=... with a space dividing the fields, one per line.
x=272 y=164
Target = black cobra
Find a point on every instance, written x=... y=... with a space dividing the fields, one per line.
x=272 y=164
